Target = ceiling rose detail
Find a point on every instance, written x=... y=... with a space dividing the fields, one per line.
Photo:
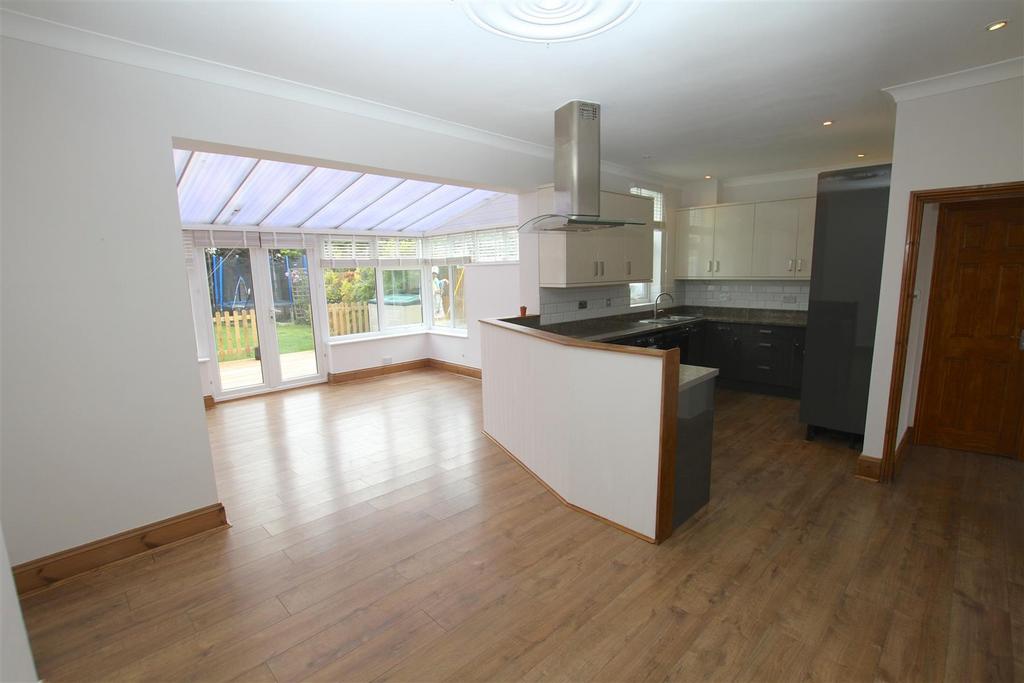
x=549 y=21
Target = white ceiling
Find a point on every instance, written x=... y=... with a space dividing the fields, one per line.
x=724 y=88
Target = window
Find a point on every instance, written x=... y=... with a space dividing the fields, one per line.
x=449 y=296
x=641 y=292
x=401 y=305
x=351 y=300
x=484 y=246
x=659 y=201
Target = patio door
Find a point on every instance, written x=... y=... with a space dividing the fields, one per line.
x=262 y=312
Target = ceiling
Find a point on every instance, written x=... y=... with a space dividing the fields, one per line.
x=722 y=87
x=224 y=189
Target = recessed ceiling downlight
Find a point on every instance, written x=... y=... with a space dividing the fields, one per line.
x=549 y=21
x=996 y=25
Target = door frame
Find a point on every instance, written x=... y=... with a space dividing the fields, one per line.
x=891 y=454
x=266 y=329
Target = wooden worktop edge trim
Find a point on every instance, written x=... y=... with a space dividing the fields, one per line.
x=668 y=441
x=563 y=501
x=35 y=575
x=570 y=341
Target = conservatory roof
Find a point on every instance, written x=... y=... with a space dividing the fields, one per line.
x=224 y=189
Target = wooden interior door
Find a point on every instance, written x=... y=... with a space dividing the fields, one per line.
x=972 y=378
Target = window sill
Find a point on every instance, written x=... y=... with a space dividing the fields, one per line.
x=338 y=341
x=460 y=334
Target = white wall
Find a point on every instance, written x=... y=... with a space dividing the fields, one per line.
x=768 y=188
x=492 y=291
x=971 y=136
x=111 y=436
x=16 y=664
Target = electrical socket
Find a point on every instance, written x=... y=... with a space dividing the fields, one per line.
x=386 y=360
x=607 y=303
x=789 y=298
x=581 y=305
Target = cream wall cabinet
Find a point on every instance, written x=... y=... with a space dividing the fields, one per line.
x=604 y=256
x=734 y=240
x=695 y=243
x=761 y=240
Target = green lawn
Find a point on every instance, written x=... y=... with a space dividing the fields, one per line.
x=290 y=338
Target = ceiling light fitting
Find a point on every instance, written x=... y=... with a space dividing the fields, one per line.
x=996 y=25
x=549 y=21
x=826 y=123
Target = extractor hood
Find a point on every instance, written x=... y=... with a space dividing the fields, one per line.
x=577 y=199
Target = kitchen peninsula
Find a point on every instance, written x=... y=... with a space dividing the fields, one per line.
x=620 y=432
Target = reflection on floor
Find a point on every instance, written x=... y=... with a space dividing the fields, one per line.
x=378 y=535
x=237 y=374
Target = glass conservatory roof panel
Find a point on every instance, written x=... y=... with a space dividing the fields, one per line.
x=443 y=195
x=451 y=210
x=207 y=184
x=407 y=193
x=268 y=184
x=354 y=199
x=180 y=160
x=318 y=189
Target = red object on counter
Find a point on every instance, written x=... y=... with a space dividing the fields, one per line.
x=522 y=311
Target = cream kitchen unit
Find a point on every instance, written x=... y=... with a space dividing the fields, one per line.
x=758 y=240
x=603 y=256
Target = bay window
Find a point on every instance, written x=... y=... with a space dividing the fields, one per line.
x=449 y=297
x=351 y=300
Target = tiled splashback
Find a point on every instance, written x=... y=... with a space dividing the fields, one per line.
x=787 y=295
x=563 y=305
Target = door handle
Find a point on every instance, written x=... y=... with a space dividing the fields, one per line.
x=717 y=265
x=790 y=266
x=629 y=267
x=595 y=269
x=799 y=264
x=709 y=265
x=602 y=268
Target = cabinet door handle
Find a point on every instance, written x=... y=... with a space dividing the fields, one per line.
x=629 y=267
x=709 y=265
x=764 y=331
x=766 y=345
x=602 y=268
x=799 y=264
x=717 y=264
x=790 y=266
x=595 y=269
x=764 y=367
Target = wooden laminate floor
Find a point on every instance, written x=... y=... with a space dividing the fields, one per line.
x=379 y=536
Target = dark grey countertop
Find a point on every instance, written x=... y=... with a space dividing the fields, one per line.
x=617 y=326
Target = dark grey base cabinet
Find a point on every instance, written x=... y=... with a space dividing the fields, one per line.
x=761 y=358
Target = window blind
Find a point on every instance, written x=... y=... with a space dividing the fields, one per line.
x=659 y=201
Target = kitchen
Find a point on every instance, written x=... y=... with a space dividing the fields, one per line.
x=743 y=279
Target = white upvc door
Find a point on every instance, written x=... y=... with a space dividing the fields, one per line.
x=266 y=316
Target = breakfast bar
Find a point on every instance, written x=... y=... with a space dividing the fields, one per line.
x=621 y=433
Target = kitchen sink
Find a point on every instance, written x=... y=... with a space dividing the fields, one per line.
x=668 y=320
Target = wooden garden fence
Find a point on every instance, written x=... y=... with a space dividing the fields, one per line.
x=235 y=333
x=348 y=318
